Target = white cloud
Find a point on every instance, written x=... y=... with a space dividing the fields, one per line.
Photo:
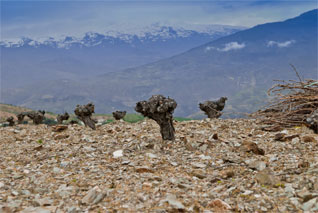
x=280 y=44
x=231 y=46
x=208 y=48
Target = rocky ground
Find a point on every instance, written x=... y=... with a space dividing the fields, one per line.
x=212 y=166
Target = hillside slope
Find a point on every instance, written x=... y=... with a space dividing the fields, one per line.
x=83 y=170
x=7 y=110
x=241 y=66
x=95 y=53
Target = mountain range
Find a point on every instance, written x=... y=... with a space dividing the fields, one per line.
x=241 y=66
x=94 y=53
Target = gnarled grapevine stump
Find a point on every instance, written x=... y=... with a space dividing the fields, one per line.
x=159 y=109
x=84 y=113
x=213 y=108
x=10 y=120
x=20 y=117
x=62 y=117
x=119 y=115
x=73 y=122
x=312 y=121
x=36 y=117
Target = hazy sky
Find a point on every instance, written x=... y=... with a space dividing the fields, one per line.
x=55 y=18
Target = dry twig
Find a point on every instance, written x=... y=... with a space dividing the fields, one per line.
x=292 y=104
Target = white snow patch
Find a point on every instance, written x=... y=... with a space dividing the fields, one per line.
x=124 y=32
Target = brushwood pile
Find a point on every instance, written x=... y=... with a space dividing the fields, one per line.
x=294 y=103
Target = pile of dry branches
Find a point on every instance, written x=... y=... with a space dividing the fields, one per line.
x=293 y=102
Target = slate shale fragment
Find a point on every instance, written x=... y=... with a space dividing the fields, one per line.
x=248 y=146
x=36 y=117
x=119 y=115
x=213 y=108
x=10 y=120
x=84 y=113
x=62 y=117
x=59 y=128
x=160 y=109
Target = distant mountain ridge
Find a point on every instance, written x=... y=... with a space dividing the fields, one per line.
x=153 y=33
x=94 y=54
x=241 y=66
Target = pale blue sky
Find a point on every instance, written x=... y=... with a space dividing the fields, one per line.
x=55 y=18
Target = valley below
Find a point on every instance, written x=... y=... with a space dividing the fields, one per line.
x=239 y=64
x=250 y=66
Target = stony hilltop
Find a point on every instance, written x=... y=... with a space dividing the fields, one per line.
x=212 y=166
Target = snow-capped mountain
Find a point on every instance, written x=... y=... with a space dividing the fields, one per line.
x=241 y=66
x=73 y=57
x=149 y=34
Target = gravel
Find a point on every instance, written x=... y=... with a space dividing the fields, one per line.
x=213 y=165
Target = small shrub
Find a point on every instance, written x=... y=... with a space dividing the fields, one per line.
x=180 y=119
x=49 y=121
x=133 y=118
x=108 y=121
x=4 y=125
